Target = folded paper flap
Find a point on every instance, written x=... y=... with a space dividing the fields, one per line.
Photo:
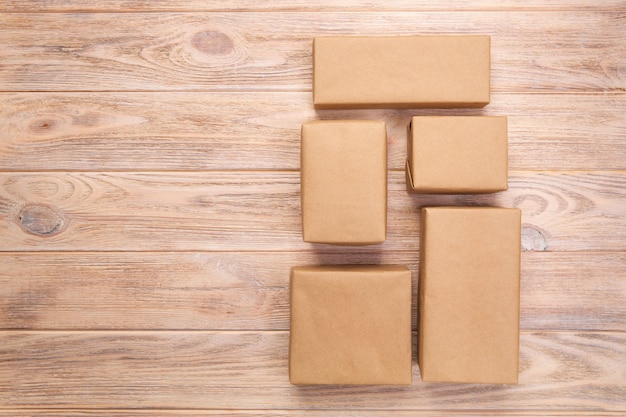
x=409 y=176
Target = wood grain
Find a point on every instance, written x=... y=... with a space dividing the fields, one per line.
x=261 y=210
x=245 y=291
x=224 y=131
x=301 y=5
x=303 y=413
x=149 y=203
x=566 y=371
x=553 y=51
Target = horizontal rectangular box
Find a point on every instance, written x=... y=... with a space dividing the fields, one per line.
x=344 y=182
x=469 y=294
x=401 y=71
x=457 y=154
x=350 y=325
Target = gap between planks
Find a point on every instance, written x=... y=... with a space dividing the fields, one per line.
x=308 y=90
x=194 y=6
x=50 y=411
x=126 y=332
x=276 y=171
x=130 y=412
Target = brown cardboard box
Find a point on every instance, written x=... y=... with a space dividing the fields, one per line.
x=350 y=325
x=457 y=154
x=344 y=182
x=469 y=294
x=401 y=71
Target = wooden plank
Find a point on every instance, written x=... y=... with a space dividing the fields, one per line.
x=248 y=370
x=300 y=5
x=247 y=210
x=566 y=291
x=260 y=51
x=243 y=291
x=296 y=413
x=198 y=131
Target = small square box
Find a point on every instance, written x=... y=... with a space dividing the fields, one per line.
x=344 y=182
x=457 y=154
x=469 y=294
x=350 y=325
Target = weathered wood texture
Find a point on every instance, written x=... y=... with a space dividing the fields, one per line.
x=300 y=5
x=249 y=370
x=298 y=413
x=554 y=51
x=261 y=211
x=223 y=131
x=149 y=203
x=250 y=291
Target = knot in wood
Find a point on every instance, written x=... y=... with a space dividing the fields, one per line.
x=41 y=220
x=533 y=239
x=43 y=125
x=212 y=42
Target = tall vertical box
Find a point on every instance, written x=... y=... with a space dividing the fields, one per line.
x=401 y=71
x=457 y=154
x=343 y=171
x=469 y=294
x=350 y=324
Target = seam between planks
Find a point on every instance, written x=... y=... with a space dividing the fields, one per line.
x=247 y=90
x=362 y=9
x=250 y=331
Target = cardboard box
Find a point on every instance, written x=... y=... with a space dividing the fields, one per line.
x=469 y=294
x=401 y=71
x=344 y=182
x=350 y=325
x=457 y=154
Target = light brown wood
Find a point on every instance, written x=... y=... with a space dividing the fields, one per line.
x=299 y=5
x=149 y=203
x=223 y=131
x=533 y=51
x=303 y=413
x=250 y=291
x=261 y=210
x=206 y=369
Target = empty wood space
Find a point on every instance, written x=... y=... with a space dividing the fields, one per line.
x=150 y=204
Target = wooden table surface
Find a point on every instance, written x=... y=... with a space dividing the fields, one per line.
x=150 y=212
